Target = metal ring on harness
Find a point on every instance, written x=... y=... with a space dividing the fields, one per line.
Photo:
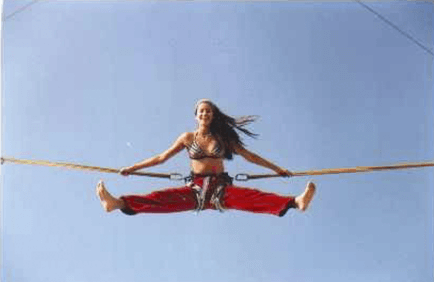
x=176 y=176
x=242 y=177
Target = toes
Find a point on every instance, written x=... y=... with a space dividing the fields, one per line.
x=101 y=192
x=309 y=191
x=101 y=188
x=311 y=186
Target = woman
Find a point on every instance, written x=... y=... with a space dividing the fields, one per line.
x=210 y=187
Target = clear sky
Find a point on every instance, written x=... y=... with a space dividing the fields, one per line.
x=113 y=82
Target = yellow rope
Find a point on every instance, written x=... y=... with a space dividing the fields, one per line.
x=239 y=177
x=359 y=169
x=85 y=167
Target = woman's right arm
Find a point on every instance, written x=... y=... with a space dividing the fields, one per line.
x=158 y=159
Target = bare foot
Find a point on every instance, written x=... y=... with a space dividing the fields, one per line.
x=304 y=199
x=108 y=202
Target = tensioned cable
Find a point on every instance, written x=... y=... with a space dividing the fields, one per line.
x=19 y=10
x=362 y=4
x=239 y=177
x=395 y=27
x=359 y=169
x=172 y=176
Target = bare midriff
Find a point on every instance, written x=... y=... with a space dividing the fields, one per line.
x=207 y=166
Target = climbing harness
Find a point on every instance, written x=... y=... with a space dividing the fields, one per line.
x=212 y=189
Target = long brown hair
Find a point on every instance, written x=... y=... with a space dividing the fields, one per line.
x=224 y=127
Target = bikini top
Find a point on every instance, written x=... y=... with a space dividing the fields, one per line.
x=196 y=152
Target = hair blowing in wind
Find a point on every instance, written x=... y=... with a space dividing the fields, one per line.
x=225 y=126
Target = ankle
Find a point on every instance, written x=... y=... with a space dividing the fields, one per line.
x=120 y=204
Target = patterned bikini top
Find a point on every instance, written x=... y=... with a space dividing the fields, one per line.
x=196 y=152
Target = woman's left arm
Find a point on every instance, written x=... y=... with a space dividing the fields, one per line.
x=256 y=159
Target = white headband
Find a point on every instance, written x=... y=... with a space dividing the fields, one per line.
x=202 y=101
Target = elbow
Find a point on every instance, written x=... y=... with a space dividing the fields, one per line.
x=161 y=159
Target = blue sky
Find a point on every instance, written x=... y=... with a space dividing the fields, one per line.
x=111 y=83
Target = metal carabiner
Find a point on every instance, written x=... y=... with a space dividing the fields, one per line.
x=176 y=176
x=242 y=177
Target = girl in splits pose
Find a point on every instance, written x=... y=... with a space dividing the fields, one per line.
x=208 y=187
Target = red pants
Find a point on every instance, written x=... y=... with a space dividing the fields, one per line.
x=188 y=198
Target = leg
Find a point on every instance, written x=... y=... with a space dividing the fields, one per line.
x=256 y=201
x=163 y=201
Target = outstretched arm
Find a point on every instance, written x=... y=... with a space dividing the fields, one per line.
x=256 y=159
x=158 y=159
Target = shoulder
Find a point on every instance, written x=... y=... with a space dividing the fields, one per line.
x=186 y=137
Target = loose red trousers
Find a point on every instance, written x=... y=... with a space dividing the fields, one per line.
x=186 y=199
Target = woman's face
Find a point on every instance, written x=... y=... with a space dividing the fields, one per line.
x=204 y=114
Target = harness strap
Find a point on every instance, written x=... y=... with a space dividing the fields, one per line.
x=216 y=183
